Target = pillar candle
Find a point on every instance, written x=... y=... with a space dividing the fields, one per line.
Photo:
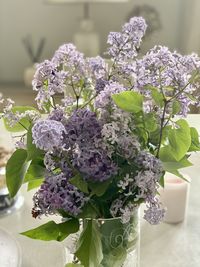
x=174 y=196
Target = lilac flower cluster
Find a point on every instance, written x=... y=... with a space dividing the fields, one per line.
x=56 y=193
x=88 y=136
x=124 y=45
x=143 y=186
x=48 y=134
x=168 y=71
x=82 y=128
x=94 y=164
x=83 y=131
x=48 y=81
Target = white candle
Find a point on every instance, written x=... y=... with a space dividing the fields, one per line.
x=174 y=196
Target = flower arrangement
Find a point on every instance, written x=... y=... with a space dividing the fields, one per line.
x=103 y=149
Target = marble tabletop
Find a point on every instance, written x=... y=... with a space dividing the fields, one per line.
x=165 y=245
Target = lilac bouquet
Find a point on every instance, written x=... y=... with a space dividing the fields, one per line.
x=102 y=149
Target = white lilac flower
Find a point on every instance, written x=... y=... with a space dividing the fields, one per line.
x=116 y=205
x=125 y=182
x=49 y=162
x=127 y=212
x=48 y=134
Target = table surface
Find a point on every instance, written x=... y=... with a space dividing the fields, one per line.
x=164 y=245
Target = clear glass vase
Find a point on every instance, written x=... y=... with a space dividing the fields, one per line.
x=120 y=242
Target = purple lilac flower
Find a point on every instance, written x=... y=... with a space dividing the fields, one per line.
x=94 y=164
x=164 y=69
x=48 y=134
x=147 y=161
x=48 y=81
x=124 y=45
x=82 y=128
x=154 y=213
x=98 y=67
x=104 y=97
x=57 y=114
x=57 y=193
x=72 y=60
x=100 y=85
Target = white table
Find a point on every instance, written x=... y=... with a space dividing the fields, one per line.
x=165 y=245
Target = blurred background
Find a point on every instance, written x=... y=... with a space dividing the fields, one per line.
x=31 y=31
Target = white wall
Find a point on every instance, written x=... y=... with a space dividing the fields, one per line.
x=57 y=24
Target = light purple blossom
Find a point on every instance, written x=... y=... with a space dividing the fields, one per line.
x=98 y=67
x=56 y=193
x=48 y=81
x=124 y=45
x=104 y=99
x=48 y=134
x=154 y=213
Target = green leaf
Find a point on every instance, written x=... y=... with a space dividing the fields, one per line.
x=79 y=183
x=73 y=265
x=179 y=139
x=35 y=184
x=150 y=122
x=156 y=95
x=129 y=101
x=162 y=181
x=176 y=107
x=99 y=188
x=89 y=248
x=175 y=165
x=34 y=172
x=89 y=211
x=53 y=231
x=32 y=150
x=24 y=121
x=115 y=258
x=15 y=171
x=195 y=144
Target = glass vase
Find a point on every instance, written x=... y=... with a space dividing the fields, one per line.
x=120 y=242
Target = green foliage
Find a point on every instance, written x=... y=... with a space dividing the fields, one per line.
x=15 y=171
x=34 y=172
x=53 y=231
x=115 y=258
x=170 y=166
x=150 y=122
x=79 y=183
x=35 y=184
x=195 y=144
x=89 y=210
x=89 y=247
x=176 y=107
x=156 y=95
x=99 y=188
x=129 y=101
x=73 y=265
x=179 y=141
x=23 y=124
